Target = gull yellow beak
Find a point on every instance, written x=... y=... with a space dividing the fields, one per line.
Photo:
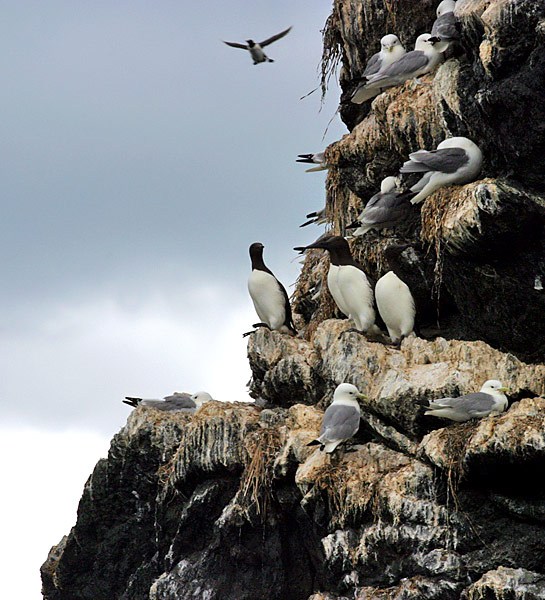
x=362 y=396
x=390 y=48
x=503 y=389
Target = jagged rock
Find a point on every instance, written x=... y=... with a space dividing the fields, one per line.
x=516 y=584
x=485 y=92
x=394 y=380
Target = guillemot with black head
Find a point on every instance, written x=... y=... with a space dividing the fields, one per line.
x=348 y=284
x=269 y=296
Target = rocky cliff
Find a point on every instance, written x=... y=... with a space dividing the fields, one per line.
x=231 y=503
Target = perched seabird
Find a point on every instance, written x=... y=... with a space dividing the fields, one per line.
x=390 y=51
x=178 y=401
x=348 y=283
x=446 y=28
x=341 y=419
x=456 y=160
x=385 y=209
x=395 y=305
x=423 y=59
x=269 y=296
x=318 y=217
x=314 y=159
x=256 y=48
x=489 y=401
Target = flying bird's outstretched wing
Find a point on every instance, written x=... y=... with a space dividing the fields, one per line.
x=236 y=45
x=446 y=160
x=273 y=38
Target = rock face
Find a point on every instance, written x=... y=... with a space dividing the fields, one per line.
x=231 y=503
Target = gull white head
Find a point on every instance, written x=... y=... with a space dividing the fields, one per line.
x=422 y=42
x=200 y=398
x=445 y=7
x=493 y=387
x=346 y=392
x=389 y=42
x=388 y=184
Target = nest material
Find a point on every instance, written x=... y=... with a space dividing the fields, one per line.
x=256 y=485
x=332 y=51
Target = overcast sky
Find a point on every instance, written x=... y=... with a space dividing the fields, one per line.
x=140 y=158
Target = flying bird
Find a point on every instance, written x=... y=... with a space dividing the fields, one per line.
x=423 y=59
x=385 y=209
x=341 y=419
x=348 y=284
x=489 y=401
x=456 y=160
x=316 y=159
x=178 y=401
x=256 y=48
x=391 y=50
x=446 y=28
x=269 y=296
x=396 y=306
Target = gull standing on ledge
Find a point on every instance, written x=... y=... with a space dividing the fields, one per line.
x=456 y=160
x=390 y=51
x=176 y=402
x=489 y=401
x=269 y=296
x=446 y=28
x=384 y=209
x=395 y=305
x=341 y=419
x=423 y=59
x=256 y=48
x=348 y=284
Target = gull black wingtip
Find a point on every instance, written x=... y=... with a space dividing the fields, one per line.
x=134 y=402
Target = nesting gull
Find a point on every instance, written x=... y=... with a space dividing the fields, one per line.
x=314 y=159
x=446 y=28
x=269 y=296
x=385 y=209
x=341 y=419
x=456 y=160
x=348 y=284
x=178 y=401
x=396 y=306
x=256 y=48
x=489 y=401
x=390 y=51
x=423 y=59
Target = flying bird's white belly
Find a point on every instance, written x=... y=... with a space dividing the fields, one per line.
x=257 y=54
x=357 y=296
x=395 y=305
x=268 y=299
